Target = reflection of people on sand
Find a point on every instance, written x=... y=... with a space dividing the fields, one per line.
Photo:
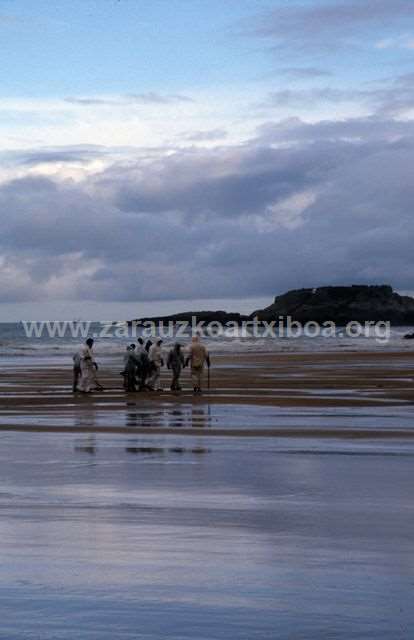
x=136 y=417
x=86 y=445
x=88 y=367
x=176 y=418
x=198 y=356
x=175 y=362
x=200 y=418
x=170 y=416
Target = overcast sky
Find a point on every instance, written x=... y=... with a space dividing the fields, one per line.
x=161 y=154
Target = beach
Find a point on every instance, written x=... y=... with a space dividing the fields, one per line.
x=351 y=394
x=276 y=505
x=192 y=182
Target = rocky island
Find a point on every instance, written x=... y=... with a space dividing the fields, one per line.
x=340 y=304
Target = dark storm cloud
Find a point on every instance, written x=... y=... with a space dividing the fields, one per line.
x=333 y=204
x=217 y=183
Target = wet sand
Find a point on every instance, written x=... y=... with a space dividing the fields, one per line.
x=349 y=394
x=277 y=505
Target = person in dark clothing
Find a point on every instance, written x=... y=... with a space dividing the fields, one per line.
x=76 y=371
x=144 y=370
x=142 y=366
x=131 y=363
x=175 y=362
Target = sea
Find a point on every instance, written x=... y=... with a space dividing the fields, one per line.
x=57 y=342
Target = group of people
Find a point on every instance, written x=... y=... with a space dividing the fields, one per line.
x=142 y=366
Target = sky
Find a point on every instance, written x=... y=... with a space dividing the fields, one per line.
x=165 y=155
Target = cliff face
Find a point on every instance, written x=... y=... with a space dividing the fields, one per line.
x=341 y=305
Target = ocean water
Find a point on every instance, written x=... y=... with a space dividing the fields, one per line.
x=112 y=341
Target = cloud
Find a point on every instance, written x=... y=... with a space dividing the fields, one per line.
x=205 y=136
x=210 y=184
x=299 y=205
x=305 y=73
x=368 y=130
x=397 y=98
x=91 y=102
x=151 y=97
x=389 y=97
x=55 y=155
x=322 y=23
x=316 y=95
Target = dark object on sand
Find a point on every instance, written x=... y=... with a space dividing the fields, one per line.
x=409 y=336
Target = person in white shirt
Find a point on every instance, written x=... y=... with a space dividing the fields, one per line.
x=88 y=367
